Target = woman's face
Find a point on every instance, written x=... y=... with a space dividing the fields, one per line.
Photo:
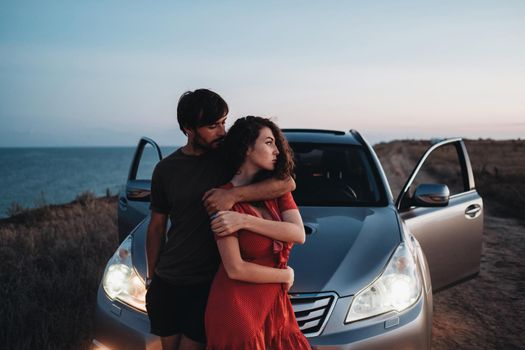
x=263 y=153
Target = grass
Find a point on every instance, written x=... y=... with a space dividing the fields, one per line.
x=52 y=261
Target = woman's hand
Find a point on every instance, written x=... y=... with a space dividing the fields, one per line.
x=289 y=284
x=227 y=222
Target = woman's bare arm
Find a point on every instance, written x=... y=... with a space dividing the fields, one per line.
x=241 y=270
x=291 y=229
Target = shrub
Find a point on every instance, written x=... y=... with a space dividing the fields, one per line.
x=85 y=198
x=51 y=266
x=15 y=209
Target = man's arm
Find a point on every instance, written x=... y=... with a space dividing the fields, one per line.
x=155 y=238
x=218 y=199
x=291 y=229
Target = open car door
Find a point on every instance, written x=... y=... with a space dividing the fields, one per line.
x=441 y=207
x=134 y=199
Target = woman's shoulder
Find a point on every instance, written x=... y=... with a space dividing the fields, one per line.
x=286 y=202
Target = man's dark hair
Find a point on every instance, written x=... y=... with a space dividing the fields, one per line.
x=200 y=107
x=244 y=133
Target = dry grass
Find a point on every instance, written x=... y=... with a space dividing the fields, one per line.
x=499 y=169
x=52 y=260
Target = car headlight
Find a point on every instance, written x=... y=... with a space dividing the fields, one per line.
x=398 y=287
x=121 y=281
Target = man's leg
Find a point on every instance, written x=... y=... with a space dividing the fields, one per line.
x=188 y=344
x=171 y=343
x=161 y=308
x=193 y=329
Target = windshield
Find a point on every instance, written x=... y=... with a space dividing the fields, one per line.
x=335 y=175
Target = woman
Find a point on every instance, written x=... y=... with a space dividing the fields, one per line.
x=248 y=306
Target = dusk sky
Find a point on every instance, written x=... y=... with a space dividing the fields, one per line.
x=104 y=73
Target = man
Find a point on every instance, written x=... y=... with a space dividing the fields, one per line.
x=181 y=267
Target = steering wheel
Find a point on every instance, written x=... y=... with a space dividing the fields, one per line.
x=346 y=190
x=350 y=191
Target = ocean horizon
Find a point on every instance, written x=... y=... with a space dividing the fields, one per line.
x=34 y=176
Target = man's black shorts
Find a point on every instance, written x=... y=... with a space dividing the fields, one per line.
x=177 y=309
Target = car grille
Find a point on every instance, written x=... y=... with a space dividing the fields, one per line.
x=312 y=311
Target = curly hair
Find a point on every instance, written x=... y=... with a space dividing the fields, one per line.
x=243 y=135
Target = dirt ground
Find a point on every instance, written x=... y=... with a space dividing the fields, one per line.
x=488 y=311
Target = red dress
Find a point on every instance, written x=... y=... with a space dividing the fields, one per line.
x=242 y=315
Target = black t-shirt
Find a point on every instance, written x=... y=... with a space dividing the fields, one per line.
x=190 y=255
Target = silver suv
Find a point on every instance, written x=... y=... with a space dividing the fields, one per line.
x=365 y=276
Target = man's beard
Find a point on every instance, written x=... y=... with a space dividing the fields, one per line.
x=199 y=143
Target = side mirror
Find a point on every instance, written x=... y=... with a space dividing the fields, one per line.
x=431 y=195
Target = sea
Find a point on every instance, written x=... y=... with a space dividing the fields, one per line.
x=32 y=177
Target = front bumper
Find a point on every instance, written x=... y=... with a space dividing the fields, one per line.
x=408 y=330
x=118 y=326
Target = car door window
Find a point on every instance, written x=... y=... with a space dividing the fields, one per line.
x=147 y=163
x=442 y=166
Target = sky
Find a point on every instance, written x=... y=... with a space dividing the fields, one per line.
x=105 y=73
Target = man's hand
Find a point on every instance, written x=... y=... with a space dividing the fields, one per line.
x=218 y=199
x=155 y=237
x=225 y=223
x=290 y=283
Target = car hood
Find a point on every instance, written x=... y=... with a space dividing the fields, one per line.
x=345 y=249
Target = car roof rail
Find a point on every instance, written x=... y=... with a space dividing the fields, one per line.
x=324 y=131
x=436 y=140
x=358 y=136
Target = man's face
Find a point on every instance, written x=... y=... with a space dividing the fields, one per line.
x=210 y=136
